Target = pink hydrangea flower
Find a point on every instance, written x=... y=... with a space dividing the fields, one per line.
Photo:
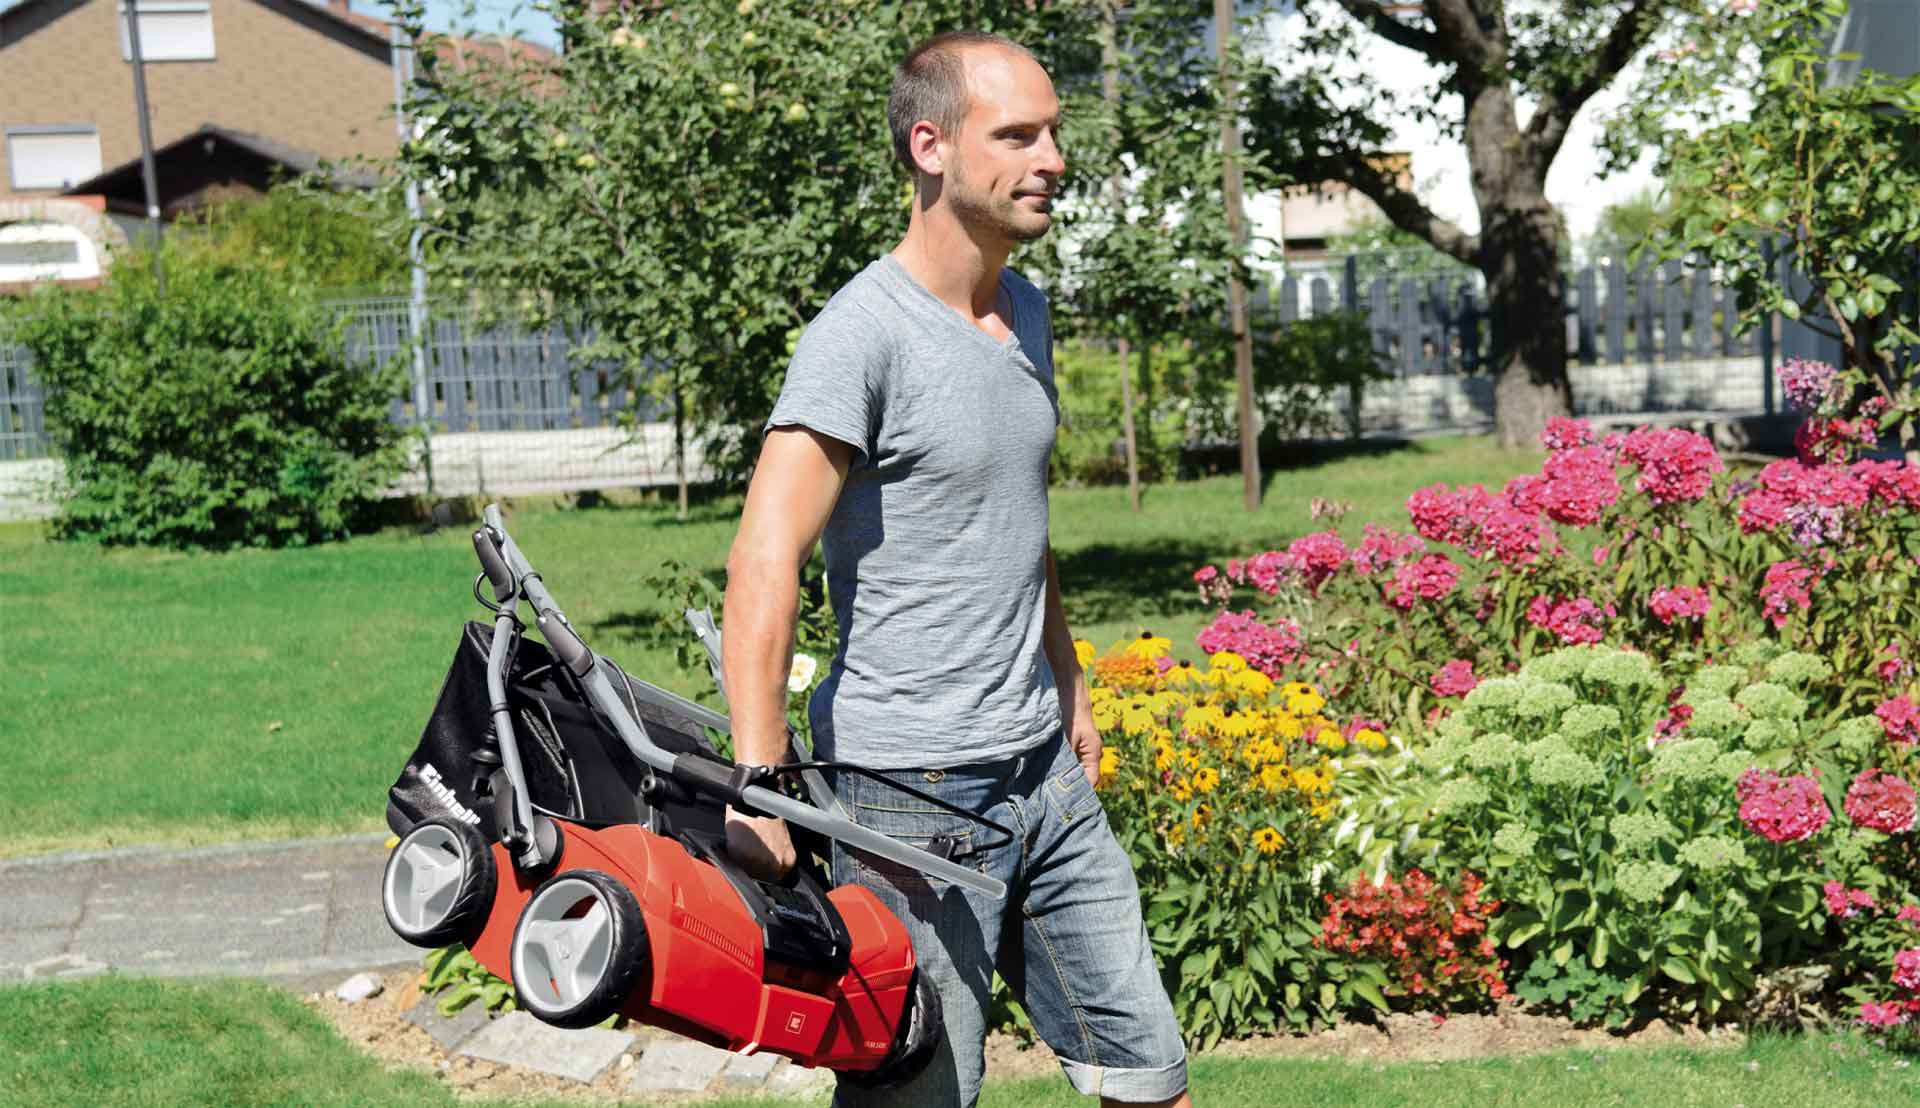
x=1430 y=578
x=1883 y=1016
x=1382 y=548
x=1681 y=602
x=1566 y=434
x=1269 y=648
x=1844 y=903
x=1676 y=465
x=1906 y=969
x=1578 y=620
x=1441 y=515
x=1893 y=483
x=1455 y=678
x=1900 y=719
x=1881 y=801
x=1807 y=383
x=1316 y=557
x=1908 y=913
x=1579 y=485
x=1781 y=809
x=1787 y=586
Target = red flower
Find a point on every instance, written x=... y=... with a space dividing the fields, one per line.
x=1880 y=801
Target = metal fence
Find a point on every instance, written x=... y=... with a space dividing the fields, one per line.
x=515 y=409
x=1647 y=340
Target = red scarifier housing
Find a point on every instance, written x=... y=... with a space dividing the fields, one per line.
x=707 y=976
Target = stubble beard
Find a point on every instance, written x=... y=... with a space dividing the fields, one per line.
x=996 y=215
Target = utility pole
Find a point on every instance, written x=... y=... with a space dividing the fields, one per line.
x=1110 y=88
x=402 y=55
x=148 y=177
x=1237 y=234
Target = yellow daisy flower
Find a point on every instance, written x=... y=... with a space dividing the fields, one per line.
x=1227 y=661
x=1273 y=777
x=1180 y=790
x=1150 y=646
x=1267 y=840
x=1083 y=650
x=1302 y=700
x=1205 y=780
x=1183 y=675
x=1370 y=739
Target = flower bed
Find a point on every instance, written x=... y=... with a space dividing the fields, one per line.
x=1663 y=710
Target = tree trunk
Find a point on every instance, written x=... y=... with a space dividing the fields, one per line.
x=1236 y=292
x=1527 y=324
x=680 y=444
x=1519 y=254
x=1126 y=425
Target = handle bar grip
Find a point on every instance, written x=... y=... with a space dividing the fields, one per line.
x=494 y=563
x=565 y=642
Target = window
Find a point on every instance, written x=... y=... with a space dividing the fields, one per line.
x=52 y=157
x=41 y=251
x=171 y=33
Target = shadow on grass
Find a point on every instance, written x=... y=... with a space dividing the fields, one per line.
x=1109 y=581
x=1279 y=459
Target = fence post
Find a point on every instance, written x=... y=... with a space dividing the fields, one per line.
x=1350 y=302
x=1766 y=329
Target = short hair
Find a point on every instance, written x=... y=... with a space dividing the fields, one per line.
x=931 y=84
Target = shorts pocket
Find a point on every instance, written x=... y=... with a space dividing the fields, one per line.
x=916 y=824
x=1073 y=795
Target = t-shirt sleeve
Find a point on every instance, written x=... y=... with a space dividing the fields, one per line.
x=836 y=383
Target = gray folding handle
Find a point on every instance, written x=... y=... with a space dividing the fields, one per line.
x=600 y=688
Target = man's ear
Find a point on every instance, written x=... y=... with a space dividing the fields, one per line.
x=927 y=148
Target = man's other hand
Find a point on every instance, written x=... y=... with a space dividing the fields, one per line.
x=1085 y=738
x=762 y=846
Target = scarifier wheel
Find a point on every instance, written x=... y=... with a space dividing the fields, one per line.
x=578 y=949
x=438 y=885
x=921 y=1028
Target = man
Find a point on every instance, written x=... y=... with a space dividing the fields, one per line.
x=913 y=434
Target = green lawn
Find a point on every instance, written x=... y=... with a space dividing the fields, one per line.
x=168 y=697
x=130 y=1041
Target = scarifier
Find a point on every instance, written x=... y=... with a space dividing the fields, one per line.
x=565 y=821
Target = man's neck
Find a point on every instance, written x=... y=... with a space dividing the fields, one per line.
x=952 y=264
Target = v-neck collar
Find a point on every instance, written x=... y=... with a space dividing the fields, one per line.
x=946 y=310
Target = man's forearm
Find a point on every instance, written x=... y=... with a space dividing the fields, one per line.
x=756 y=653
x=1057 y=641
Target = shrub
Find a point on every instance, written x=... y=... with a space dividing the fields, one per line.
x=224 y=413
x=1664 y=847
x=1090 y=446
x=1220 y=783
x=1433 y=938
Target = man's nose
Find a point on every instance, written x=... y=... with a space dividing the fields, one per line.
x=1051 y=162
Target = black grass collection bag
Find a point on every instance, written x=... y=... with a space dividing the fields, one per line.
x=576 y=766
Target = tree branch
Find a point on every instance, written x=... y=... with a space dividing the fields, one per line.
x=1404 y=208
x=1548 y=127
x=1372 y=15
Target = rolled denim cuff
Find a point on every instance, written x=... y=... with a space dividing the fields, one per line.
x=1129 y=1086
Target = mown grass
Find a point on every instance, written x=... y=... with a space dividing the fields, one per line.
x=151 y=696
x=129 y=1041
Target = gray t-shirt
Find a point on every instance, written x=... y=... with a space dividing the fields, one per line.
x=936 y=549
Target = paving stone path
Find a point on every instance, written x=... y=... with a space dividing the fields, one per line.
x=307 y=912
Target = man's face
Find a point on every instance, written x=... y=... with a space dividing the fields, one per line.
x=1003 y=168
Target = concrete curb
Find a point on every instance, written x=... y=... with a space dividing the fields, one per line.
x=163 y=853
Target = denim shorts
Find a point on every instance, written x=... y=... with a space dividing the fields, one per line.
x=1069 y=937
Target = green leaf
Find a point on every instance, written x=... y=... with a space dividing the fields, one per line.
x=1369 y=992
x=1680 y=969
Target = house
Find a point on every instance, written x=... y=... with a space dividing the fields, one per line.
x=237 y=90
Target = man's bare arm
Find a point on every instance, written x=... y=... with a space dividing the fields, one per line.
x=794 y=488
x=1076 y=705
